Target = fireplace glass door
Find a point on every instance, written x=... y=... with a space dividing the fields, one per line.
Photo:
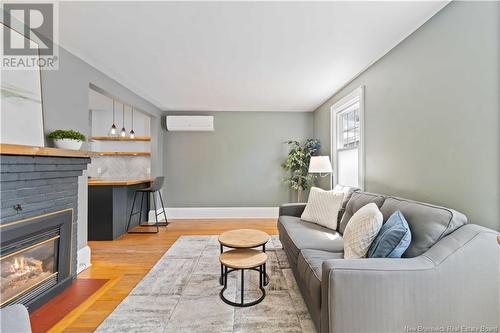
x=30 y=269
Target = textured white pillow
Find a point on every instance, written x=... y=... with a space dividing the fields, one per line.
x=323 y=207
x=361 y=230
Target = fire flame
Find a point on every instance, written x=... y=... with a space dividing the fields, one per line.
x=20 y=263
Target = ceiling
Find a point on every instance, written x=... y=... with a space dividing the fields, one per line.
x=236 y=56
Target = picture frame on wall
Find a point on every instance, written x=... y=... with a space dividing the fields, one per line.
x=21 y=119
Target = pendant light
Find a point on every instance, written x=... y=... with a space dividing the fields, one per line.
x=112 y=130
x=132 y=133
x=123 y=132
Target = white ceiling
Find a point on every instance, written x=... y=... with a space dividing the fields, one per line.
x=237 y=56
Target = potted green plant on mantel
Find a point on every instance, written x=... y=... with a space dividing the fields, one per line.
x=297 y=163
x=67 y=139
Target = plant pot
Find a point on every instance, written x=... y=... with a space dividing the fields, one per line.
x=68 y=144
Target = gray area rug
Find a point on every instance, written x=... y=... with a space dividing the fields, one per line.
x=181 y=294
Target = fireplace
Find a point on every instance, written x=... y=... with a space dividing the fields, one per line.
x=35 y=258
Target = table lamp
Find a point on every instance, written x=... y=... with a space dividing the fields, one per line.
x=321 y=165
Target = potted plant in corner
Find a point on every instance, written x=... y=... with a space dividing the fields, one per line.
x=67 y=139
x=297 y=163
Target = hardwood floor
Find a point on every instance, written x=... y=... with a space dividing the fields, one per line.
x=126 y=260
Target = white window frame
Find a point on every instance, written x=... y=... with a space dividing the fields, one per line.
x=354 y=97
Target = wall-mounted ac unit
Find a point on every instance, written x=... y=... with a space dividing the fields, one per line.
x=190 y=123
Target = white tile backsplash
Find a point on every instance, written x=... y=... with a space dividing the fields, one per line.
x=120 y=167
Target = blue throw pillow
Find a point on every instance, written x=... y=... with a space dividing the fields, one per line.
x=393 y=238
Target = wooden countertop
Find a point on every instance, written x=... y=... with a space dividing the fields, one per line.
x=118 y=181
x=10 y=149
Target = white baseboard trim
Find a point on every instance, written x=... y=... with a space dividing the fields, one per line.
x=83 y=259
x=175 y=213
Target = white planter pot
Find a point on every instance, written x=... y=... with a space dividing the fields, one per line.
x=68 y=144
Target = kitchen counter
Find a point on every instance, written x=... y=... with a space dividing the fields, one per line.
x=110 y=202
x=118 y=181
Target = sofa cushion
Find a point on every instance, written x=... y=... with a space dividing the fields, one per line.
x=297 y=235
x=358 y=200
x=347 y=190
x=393 y=238
x=428 y=223
x=323 y=207
x=310 y=273
x=362 y=229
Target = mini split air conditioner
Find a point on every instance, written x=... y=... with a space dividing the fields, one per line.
x=190 y=123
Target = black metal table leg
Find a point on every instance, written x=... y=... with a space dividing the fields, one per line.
x=221 y=266
x=266 y=277
x=242 y=302
x=225 y=278
x=260 y=276
x=242 y=286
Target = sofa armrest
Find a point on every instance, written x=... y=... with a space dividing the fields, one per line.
x=453 y=284
x=292 y=209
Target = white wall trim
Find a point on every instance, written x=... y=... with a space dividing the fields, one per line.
x=216 y=213
x=83 y=259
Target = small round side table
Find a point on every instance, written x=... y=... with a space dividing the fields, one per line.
x=243 y=239
x=243 y=259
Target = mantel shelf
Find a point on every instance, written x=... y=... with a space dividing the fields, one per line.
x=13 y=149
x=122 y=153
x=117 y=138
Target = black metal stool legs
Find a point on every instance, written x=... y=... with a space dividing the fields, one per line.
x=132 y=210
x=140 y=217
x=163 y=209
x=156 y=215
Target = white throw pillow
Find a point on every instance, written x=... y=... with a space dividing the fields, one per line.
x=361 y=230
x=323 y=207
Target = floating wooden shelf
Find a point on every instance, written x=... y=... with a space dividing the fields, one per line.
x=122 y=153
x=118 y=138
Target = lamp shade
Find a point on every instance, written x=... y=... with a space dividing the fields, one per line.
x=320 y=164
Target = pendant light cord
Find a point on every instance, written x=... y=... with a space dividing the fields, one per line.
x=113 y=112
x=123 y=115
x=132 y=117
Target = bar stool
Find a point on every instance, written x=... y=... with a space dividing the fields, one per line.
x=154 y=188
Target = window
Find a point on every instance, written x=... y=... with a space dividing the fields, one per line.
x=347 y=143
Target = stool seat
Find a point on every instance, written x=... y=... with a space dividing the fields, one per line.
x=147 y=189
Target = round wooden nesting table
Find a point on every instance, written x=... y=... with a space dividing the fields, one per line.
x=243 y=259
x=243 y=256
x=243 y=239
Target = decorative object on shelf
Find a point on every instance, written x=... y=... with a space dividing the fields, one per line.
x=67 y=139
x=132 y=133
x=123 y=132
x=297 y=163
x=112 y=130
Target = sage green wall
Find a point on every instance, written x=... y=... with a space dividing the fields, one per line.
x=432 y=114
x=237 y=165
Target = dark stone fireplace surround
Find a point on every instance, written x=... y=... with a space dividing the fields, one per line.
x=33 y=186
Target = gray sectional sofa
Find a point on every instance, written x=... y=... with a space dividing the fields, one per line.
x=447 y=278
